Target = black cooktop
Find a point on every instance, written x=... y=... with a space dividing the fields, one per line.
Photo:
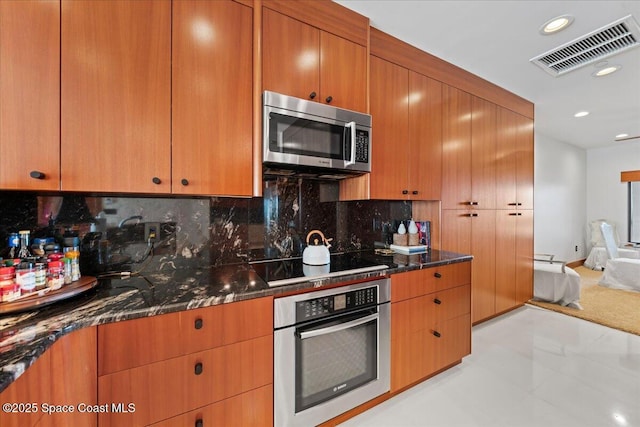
x=292 y=270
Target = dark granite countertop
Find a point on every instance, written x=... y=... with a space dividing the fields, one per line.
x=25 y=336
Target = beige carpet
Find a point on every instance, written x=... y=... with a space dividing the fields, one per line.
x=610 y=307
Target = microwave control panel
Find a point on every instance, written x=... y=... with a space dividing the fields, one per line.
x=317 y=308
x=362 y=146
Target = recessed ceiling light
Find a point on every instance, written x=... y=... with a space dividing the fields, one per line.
x=606 y=70
x=556 y=24
x=622 y=135
x=581 y=114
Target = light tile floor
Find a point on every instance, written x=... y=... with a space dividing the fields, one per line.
x=530 y=367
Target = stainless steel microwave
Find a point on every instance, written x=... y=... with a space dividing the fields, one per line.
x=312 y=137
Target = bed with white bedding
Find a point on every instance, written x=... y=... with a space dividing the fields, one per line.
x=554 y=282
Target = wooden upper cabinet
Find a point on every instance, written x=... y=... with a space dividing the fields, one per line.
x=303 y=61
x=425 y=137
x=456 y=148
x=483 y=153
x=116 y=96
x=212 y=98
x=407 y=150
x=30 y=95
x=291 y=56
x=343 y=71
x=390 y=115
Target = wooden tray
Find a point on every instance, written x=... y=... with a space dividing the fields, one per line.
x=44 y=297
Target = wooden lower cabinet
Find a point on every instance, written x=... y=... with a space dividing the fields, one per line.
x=165 y=389
x=208 y=363
x=432 y=330
x=253 y=408
x=64 y=375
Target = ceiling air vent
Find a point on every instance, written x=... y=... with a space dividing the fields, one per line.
x=602 y=43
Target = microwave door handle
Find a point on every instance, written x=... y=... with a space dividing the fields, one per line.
x=339 y=327
x=352 y=159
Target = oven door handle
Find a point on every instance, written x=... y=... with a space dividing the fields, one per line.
x=339 y=327
x=352 y=159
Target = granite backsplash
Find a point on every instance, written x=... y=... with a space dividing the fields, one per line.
x=202 y=230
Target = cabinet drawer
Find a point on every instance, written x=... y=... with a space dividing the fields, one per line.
x=453 y=342
x=138 y=342
x=422 y=282
x=165 y=389
x=451 y=275
x=452 y=302
x=253 y=408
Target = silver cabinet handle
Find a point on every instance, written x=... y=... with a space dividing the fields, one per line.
x=340 y=327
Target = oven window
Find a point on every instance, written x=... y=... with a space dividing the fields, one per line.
x=292 y=135
x=332 y=364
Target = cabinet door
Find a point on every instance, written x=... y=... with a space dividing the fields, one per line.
x=389 y=111
x=425 y=137
x=32 y=388
x=211 y=98
x=30 y=95
x=343 y=73
x=485 y=261
x=483 y=154
x=514 y=254
x=63 y=375
x=407 y=342
x=524 y=162
x=74 y=379
x=456 y=231
x=290 y=63
x=524 y=256
x=507 y=142
x=505 y=256
x=456 y=148
x=116 y=96
x=453 y=342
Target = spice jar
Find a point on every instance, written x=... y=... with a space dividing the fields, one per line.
x=26 y=277
x=67 y=270
x=9 y=290
x=41 y=276
x=55 y=274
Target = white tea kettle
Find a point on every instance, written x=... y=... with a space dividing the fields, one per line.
x=316 y=254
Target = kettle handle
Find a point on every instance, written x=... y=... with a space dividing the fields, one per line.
x=324 y=240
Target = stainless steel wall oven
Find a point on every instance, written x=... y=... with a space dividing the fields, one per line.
x=331 y=351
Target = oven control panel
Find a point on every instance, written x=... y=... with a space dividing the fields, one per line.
x=336 y=304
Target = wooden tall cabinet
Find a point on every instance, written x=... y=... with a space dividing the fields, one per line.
x=116 y=96
x=514 y=255
x=456 y=148
x=307 y=62
x=484 y=156
x=515 y=164
x=469 y=151
x=211 y=102
x=473 y=232
x=30 y=95
x=407 y=153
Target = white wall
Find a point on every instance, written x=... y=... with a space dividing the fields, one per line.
x=560 y=199
x=606 y=195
